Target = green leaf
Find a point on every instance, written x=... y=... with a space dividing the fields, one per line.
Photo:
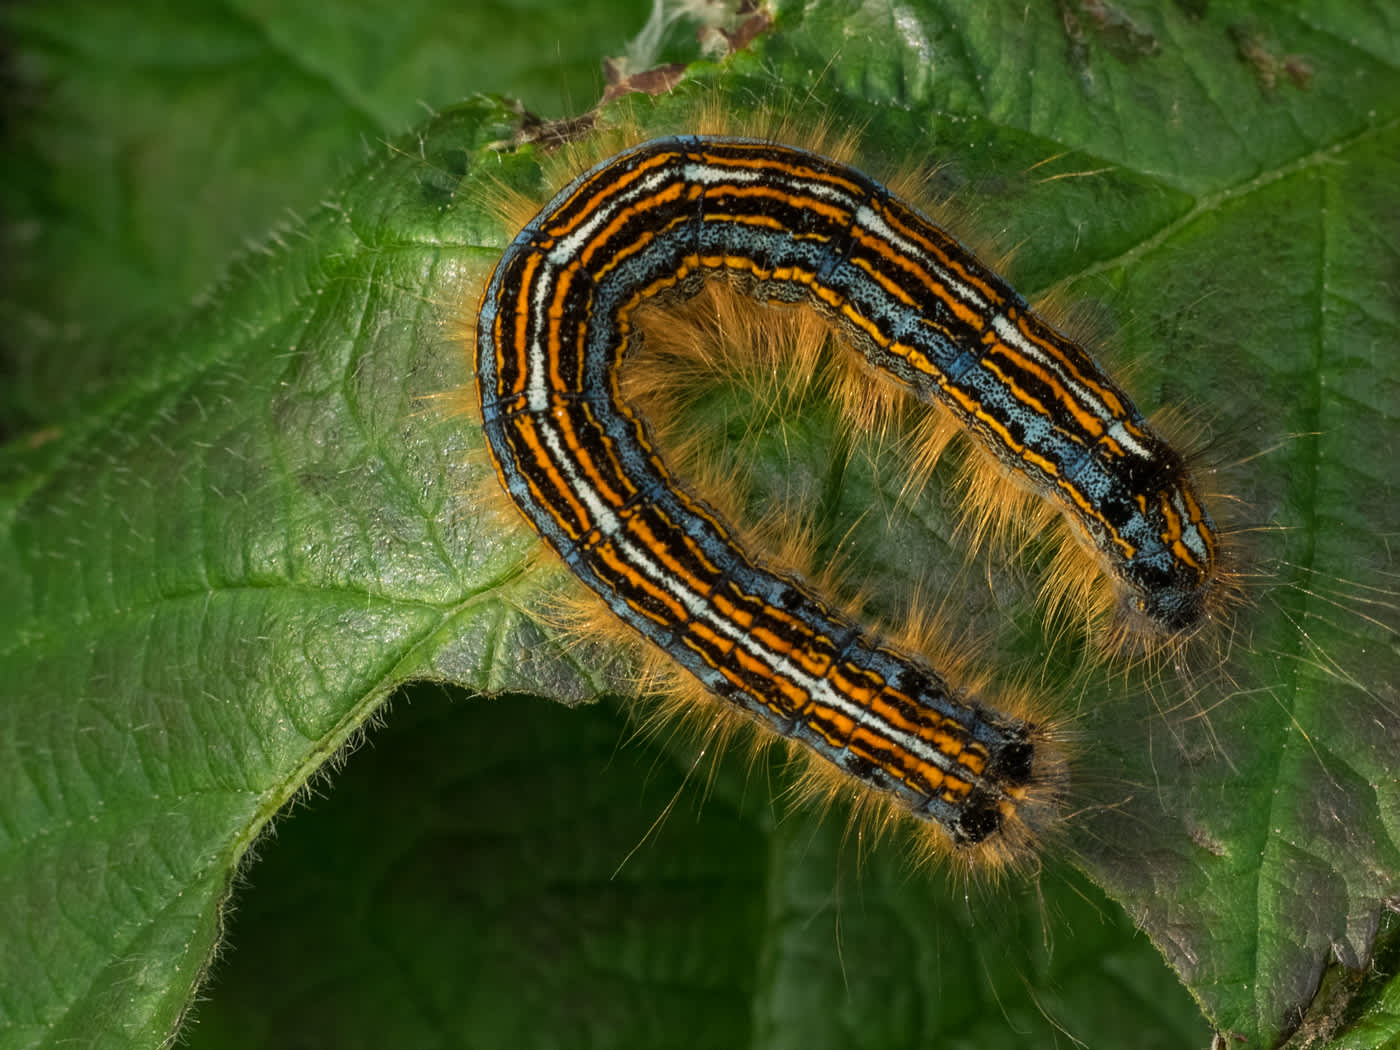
x=224 y=558
x=155 y=139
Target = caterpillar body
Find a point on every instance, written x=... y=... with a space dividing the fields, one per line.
x=788 y=225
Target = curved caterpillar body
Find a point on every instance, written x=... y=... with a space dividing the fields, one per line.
x=789 y=225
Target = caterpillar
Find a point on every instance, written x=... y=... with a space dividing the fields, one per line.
x=553 y=328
